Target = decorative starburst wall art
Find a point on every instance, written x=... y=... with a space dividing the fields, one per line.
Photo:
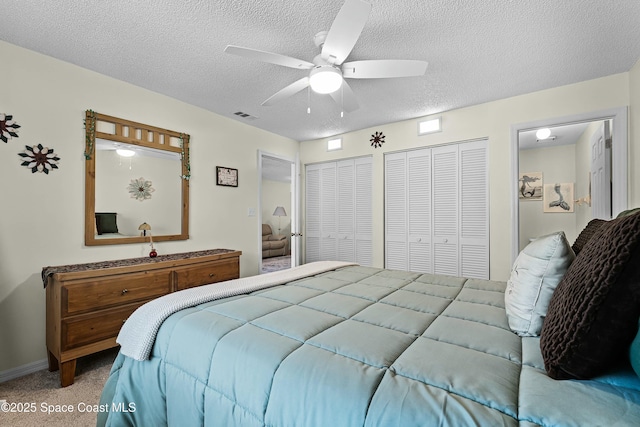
x=8 y=128
x=377 y=140
x=140 y=189
x=39 y=158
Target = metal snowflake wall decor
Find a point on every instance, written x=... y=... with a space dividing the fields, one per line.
x=8 y=128
x=377 y=140
x=140 y=189
x=39 y=158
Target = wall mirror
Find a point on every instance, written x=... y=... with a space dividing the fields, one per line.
x=136 y=182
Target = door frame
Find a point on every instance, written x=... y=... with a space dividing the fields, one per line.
x=619 y=150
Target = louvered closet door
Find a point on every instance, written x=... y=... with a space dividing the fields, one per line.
x=420 y=253
x=445 y=210
x=395 y=196
x=312 y=214
x=328 y=217
x=363 y=211
x=474 y=210
x=346 y=210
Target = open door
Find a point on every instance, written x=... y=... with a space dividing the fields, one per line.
x=601 y=172
x=279 y=208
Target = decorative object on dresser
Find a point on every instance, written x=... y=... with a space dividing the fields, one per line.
x=88 y=303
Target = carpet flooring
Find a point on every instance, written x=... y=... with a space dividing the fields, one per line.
x=276 y=263
x=56 y=406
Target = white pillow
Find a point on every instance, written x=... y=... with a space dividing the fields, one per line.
x=534 y=276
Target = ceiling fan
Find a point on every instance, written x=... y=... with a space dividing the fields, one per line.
x=328 y=69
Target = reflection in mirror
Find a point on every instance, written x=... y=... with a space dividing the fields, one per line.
x=136 y=182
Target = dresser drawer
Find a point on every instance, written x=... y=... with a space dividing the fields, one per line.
x=91 y=328
x=211 y=272
x=96 y=294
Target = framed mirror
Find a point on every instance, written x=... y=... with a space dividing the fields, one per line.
x=136 y=182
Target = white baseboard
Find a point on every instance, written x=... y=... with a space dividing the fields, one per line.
x=23 y=370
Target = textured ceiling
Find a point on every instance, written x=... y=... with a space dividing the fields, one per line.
x=478 y=51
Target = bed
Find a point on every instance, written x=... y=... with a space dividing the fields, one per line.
x=334 y=344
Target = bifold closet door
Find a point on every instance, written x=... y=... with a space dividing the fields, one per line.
x=474 y=210
x=437 y=210
x=338 y=211
x=445 y=210
x=320 y=218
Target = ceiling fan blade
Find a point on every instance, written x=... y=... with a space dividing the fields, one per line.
x=288 y=91
x=383 y=68
x=345 y=98
x=345 y=30
x=272 y=58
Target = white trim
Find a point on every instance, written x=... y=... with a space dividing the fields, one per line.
x=21 y=371
x=619 y=153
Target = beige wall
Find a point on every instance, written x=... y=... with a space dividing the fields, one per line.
x=493 y=121
x=41 y=216
x=558 y=165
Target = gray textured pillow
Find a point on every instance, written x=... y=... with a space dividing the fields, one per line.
x=534 y=276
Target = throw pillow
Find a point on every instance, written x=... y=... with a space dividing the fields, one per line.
x=634 y=352
x=586 y=234
x=535 y=274
x=593 y=313
x=106 y=223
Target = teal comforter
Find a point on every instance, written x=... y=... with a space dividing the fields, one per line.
x=356 y=347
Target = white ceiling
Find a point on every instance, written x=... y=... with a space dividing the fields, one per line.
x=560 y=135
x=478 y=51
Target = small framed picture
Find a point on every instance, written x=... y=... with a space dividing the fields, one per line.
x=558 y=197
x=530 y=186
x=227 y=176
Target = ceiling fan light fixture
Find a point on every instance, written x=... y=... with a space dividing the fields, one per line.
x=125 y=152
x=325 y=79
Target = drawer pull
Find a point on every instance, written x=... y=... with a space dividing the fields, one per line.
x=212 y=274
x=124 y=291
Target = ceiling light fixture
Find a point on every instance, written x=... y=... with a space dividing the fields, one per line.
x=325 y=79
x=543 y=133
x=125 y=153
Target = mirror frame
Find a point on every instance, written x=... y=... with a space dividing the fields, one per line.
x=129 y=132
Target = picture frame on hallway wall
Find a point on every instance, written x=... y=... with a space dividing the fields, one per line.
x=530 y=186
x=558 y=198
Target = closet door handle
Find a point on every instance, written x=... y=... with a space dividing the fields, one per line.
x=445 y=240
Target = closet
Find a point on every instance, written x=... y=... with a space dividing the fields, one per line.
x=437 y=210
x=338 y=211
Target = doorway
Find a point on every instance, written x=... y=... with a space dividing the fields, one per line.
x=580 y=173
x=278 y=212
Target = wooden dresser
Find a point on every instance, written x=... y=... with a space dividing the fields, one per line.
x=88 y=303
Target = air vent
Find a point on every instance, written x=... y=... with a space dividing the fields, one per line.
x=245 y=115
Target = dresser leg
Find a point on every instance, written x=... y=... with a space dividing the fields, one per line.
x=67 y=372
x=53 y=362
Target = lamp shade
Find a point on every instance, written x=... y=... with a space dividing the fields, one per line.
x=325 y=79
x=279 y=211
x=144 y=226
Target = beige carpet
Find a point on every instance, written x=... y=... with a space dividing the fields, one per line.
x=43 y=389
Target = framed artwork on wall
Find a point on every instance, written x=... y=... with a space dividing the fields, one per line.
x=530 y=186
x=227 y=177
x=558 y=197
